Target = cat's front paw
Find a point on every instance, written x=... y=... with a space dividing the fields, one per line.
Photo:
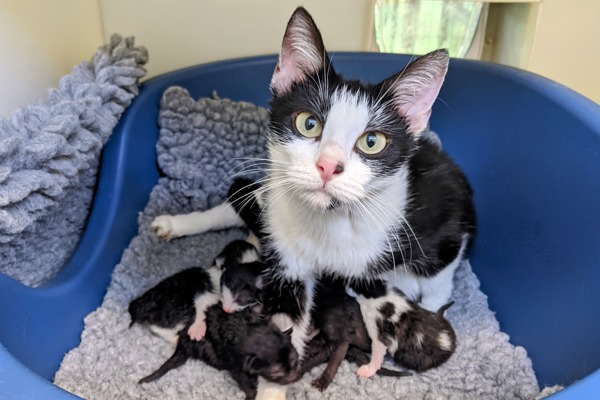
x=320 y=384
x=367 y=371
x=164 y=227
x=197 y=330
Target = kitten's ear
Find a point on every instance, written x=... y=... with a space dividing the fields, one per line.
x=260 y=282
x=416 y=87
x=302 y=53
x=219 y=262
x=248 y=362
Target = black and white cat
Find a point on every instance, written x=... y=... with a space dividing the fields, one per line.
x=352 y=189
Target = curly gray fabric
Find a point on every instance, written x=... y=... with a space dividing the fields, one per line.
x=201 y=145
x=49 y=155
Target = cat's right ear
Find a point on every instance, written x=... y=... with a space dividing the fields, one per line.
x=302 y=53
x=415 y=89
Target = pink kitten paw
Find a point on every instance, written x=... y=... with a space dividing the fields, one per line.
x=197 y=330
x=367 y=371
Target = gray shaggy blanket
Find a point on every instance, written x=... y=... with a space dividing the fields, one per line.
x=49 y=156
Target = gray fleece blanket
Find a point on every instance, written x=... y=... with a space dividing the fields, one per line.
x=49 y=156
x=202 y=144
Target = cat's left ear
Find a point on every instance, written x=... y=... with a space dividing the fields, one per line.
x=302 y=53
x=416 y=87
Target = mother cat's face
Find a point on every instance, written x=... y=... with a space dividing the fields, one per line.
x=335 y=143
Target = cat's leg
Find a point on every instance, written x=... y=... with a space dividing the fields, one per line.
x=287 y=300
x=222 y=216
x=202 y=302
x=378 y=350
x=436 y=290
x=339 y=354
x=370 y=310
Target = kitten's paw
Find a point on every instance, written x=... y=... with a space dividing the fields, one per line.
x=320 y=384
x=271 y=393
x=163 y=226
x=367 y=371
x=197 y=330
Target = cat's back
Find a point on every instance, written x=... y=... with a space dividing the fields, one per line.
x=441 y=199
x=433 y=171
x=171 y=300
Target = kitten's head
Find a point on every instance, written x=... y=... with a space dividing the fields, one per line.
x=336 y=142
x=269 y=353
x=241 y=286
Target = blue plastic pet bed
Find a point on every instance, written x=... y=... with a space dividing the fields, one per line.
x=530 y=147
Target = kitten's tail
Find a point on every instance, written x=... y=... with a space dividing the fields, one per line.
x=443 y=308
x=392 y=372
x=177 y=360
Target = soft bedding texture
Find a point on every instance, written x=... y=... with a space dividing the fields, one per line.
x=49 y=157
x=202 y=145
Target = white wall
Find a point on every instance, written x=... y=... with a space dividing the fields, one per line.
x=566 y=46
x=40 y=41
x=187 y=32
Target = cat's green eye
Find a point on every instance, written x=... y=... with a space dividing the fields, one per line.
x=308 y=125
x=372 y=143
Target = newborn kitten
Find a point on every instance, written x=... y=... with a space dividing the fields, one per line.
x=417 y=338
x=176 y=302
x=243 y=345
x=182 y=299
x=343 y=334
x=241 y=280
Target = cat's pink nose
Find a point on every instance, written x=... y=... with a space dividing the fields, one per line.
x=329 y=167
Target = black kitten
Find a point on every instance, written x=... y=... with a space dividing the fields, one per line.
x=242 y=344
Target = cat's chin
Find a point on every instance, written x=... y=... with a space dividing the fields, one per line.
x=320 y=200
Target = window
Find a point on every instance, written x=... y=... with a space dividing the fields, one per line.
x=421 y=26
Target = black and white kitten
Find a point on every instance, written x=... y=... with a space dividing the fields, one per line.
x=182 y=299
x=352 y=190
x=416 y=338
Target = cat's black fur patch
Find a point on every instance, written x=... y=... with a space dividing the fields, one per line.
x=282 y=295
x=241 y=196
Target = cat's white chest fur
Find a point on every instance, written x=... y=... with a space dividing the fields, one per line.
x=314 y=241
